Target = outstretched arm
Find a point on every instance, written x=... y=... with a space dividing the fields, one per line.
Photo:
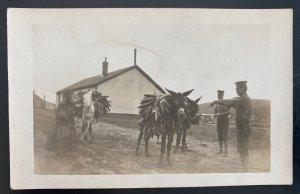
x=226 y=102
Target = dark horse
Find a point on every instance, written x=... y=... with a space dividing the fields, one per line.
x=162 y=114
x=192 y=118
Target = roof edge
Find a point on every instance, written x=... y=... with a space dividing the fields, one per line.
x=128 y=69
x=150 y=79
x=100 y=82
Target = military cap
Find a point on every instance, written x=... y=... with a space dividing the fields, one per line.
x=241 y=83
x=220 y=91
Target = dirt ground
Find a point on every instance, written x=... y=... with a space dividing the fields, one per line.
x=113 y=152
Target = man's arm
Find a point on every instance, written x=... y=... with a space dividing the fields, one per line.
x=227 y=102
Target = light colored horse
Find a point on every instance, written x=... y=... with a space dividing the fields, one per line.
x=88 y=111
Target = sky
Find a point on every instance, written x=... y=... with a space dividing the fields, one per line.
x=178 y=51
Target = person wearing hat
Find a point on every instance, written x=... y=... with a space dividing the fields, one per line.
x=242 y=105
x=222 y=112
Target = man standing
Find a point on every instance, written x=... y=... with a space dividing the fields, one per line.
x=242 y=105
x=63 y=136
x=222 y=112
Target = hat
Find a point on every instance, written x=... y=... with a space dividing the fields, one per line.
x=241 y=83
x=220 y=91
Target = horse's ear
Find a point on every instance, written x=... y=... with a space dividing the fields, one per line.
x=171 y=92
x=196 y=101
x=187 y=92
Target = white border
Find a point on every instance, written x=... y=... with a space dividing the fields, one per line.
x=20 y=73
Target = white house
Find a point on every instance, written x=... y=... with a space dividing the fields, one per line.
x=125 y=87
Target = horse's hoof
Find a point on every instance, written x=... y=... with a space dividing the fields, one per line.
x=148 y=155
x=169 y=162
x=175 y=151
x=136 y=153
x=161 y=163
x=81 y=140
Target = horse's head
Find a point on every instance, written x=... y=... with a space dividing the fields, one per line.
x=180 y=104
x=193 y=110
x=87 y=97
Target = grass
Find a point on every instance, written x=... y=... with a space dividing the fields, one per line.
x=129 y=121
x=115 y=143
x=259 y=139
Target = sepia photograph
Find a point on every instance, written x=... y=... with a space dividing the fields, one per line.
x=145 y=92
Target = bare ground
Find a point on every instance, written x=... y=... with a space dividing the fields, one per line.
x=113 y=152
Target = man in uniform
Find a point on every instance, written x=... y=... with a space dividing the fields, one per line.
x=222 y=112
x=242 y=105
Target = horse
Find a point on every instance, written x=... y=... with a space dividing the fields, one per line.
x=192 y=118
x=150 y=124
x=162 y=113
x=87 y=115
x=90 y=106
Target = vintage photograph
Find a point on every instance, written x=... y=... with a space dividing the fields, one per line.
x=149 y=98
x=140 y=94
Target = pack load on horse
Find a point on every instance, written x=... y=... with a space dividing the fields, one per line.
x=90 y=106
x=101 y=103
x=154 y=110
x=162 y=114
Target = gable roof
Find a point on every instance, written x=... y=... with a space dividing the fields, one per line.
x=37 y=97
x=96 y=80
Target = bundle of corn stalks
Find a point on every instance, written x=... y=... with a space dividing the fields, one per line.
x=154 y=110
x=101 y=104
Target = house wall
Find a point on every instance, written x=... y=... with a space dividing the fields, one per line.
x=126 y=91
x=38 y=103
x=50 y=106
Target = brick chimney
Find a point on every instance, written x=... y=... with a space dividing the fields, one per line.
x=104 y=67
x=134 y=56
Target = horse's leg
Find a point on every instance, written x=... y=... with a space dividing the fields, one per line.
x=139 y=141
x=90 y=131
x=74 y=128
x=170 y=140
x=162 y=148
x=178 y=140
x=87 y=130
x=82 y=130
x=183 y=140
x=157 y=140
x=146 y=145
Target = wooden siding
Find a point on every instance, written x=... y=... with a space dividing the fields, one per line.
x=126 y=91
